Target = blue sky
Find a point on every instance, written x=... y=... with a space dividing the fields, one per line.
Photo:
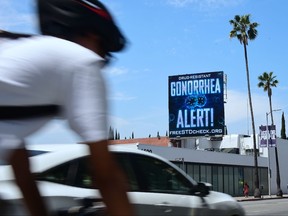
x=171 y=37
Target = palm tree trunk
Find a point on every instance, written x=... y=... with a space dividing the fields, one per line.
x=279 y=191
x=270 y=104
x=256 y=181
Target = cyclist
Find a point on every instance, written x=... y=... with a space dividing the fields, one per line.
x=59 y=74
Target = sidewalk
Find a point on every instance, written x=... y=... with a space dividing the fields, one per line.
x=251 y=198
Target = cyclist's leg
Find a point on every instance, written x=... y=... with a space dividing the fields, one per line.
x=24 y=178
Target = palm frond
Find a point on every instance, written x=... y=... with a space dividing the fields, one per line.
x=237 y=18
x=243 y=29
x=266 y=81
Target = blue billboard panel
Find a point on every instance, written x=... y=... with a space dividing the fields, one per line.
x=196 y=104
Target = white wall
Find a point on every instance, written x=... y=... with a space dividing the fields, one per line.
x=282 y=148
x=201 y=156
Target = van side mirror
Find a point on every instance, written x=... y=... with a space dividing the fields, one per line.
x=202 y=189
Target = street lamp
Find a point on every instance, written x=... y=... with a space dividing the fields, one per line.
x=268 y=149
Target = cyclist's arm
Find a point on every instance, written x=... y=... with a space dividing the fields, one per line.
x=87 y=115
x=110 y=179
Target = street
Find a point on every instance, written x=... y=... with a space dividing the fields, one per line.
x=267 y=207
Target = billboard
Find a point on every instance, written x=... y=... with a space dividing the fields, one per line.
x=196 y=104
x=267 y=137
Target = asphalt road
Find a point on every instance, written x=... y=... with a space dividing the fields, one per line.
x=266 y=207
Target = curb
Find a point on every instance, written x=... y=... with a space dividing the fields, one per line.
x=258 y=199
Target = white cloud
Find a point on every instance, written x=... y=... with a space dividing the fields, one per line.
x=115 y=76
x=116 y=71
x=237 y=108
x=119 y=96
x=18 y=16
x=204 y=4
x=118 y=122
x=237 y=112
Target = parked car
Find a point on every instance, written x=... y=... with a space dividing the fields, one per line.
x=156 y=186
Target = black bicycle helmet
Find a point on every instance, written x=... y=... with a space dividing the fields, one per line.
x=59 y=16
x=12 y=35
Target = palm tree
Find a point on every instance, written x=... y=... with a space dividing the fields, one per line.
x=244 y=31
x=267 y=81
x=283 y=127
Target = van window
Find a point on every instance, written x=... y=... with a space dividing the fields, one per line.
x=157 y=176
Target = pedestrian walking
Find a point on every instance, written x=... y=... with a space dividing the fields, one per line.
x=246 y=189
